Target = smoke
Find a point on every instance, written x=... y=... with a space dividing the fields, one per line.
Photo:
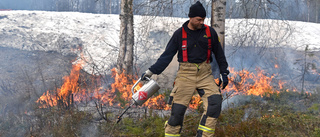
x=236 y=101
x=90 y=130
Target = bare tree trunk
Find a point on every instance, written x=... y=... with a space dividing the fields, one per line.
x=317 y=11
x=305 y=68
x=125 y=57
x=218 y=14
x=308 y=17
x=110 y=6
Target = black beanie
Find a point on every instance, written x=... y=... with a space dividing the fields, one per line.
x=197 y=10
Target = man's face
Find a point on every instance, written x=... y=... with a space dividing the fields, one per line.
x=197 y=22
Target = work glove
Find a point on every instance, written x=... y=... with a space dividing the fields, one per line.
x=148 y=74
x=223 y=80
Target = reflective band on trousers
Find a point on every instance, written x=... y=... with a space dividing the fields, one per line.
x=206 y=129
x=172 y=135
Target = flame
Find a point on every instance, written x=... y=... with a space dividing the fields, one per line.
x=314 y=71
x=270 y=116
x=120 y=89
x=119 y=92
x=122 y=86
x=66 y=92
x=118 y=95
x=249 y=83
x=276 y=66
x=195 y=102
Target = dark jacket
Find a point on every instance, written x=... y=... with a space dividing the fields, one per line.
x=197 y=48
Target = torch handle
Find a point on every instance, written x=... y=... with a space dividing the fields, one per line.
x=135 y=84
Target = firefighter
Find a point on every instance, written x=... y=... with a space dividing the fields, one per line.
x=195 y=42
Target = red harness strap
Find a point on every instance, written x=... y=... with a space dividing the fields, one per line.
x=184 y=44
x=209 y=42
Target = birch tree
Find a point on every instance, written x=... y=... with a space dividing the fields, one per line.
x=218 y=14
x=125 y=57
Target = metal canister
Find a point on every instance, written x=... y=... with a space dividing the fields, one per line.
x=145 y=92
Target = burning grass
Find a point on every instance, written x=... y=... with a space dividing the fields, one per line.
x=250 y=83
x=76 y=90
x=271 y=111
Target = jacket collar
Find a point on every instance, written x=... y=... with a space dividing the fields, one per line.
x=185 y=26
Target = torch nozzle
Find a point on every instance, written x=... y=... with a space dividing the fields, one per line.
x=120 y=117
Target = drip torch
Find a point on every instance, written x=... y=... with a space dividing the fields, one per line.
x=142 y=95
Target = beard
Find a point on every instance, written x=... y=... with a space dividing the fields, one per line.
x=196 y=26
